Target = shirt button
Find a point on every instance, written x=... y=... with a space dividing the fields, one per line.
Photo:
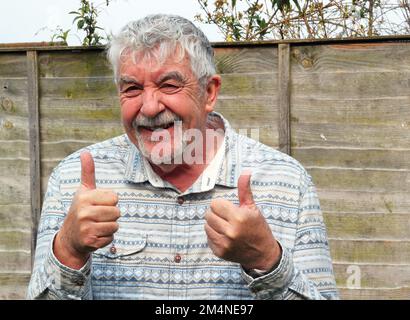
x=113 y=250
x=180 y=200
x=177 y=258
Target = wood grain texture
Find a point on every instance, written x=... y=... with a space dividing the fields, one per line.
x=255 y=117
x=248 y=97
x=15 y=239
x=77 y=88
x=370 y=251
x=15 y=260
x=55 y=151
x=357 y=110
x=15 y=167
x=372 y=276
x=85 y=109
x=361 y=180
x=34 y=137
x=368 y=226
x=14 y=285
x=399 y=293
x=14 y=216
x=89 y=130
x=359 y=58
x=15 y=203
x=248 y=85
x=14 y=128
x=368 y=201
x=353 y=158
x=284 y=98
x=246 y=60
x=56 y=64
x=12 y=65
x=350 y=129
x=350 y=136
x=13 y=98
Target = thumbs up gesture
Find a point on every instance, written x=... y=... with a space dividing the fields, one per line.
x=240 y=233
x=91 y=220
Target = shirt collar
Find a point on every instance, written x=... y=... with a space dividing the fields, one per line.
x=223 y=169
x=229 y=169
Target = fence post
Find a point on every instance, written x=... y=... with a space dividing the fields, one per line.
x=34 y=138
x=284 y=97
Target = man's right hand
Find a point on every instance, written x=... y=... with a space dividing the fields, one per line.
x=91 y=221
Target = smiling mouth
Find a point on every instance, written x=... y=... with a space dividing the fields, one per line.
x=163 y=127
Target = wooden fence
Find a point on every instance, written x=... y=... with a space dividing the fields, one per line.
x=342 y=108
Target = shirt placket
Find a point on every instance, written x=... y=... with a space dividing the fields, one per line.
x=180 y=248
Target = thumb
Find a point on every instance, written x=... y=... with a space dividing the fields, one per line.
x=244 y=189
x=87 y=170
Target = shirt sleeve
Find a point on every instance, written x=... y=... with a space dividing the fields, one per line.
x=50 y=279
x=304 y=271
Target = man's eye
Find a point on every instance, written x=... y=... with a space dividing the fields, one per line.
x=170 y=87
x=132 y=90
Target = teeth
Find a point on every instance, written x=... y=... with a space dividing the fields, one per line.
x=166 y=126
x=159 y=127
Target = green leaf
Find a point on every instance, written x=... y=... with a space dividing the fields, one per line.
x=283 y=4
x=274 y=3
x=80 y=24
x=261 y=22
x=297 y=5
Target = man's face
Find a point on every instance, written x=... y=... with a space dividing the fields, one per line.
x=153 y=97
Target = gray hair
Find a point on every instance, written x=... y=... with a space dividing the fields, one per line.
x=161 y=35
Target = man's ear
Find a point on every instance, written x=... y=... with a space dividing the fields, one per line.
x=212 y=92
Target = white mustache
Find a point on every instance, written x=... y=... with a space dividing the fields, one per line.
x=160 y=120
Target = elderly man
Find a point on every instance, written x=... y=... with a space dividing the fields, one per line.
x=181 y=206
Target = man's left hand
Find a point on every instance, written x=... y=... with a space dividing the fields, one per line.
x=240 y=233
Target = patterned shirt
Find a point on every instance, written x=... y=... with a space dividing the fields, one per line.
x=160 y=250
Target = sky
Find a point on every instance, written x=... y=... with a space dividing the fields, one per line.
x=37 y=20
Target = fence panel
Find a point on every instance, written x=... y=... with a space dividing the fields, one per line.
x=15 y=209
x=346 y=108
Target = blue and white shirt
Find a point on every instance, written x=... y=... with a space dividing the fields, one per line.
x=160 y=250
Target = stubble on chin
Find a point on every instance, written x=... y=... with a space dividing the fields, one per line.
x=172 y=156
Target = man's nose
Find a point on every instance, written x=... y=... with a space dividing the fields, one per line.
x=151 y=105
